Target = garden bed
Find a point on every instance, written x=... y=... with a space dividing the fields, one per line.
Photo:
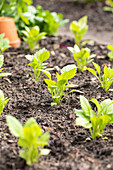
x=68 y=145
x=28 y=98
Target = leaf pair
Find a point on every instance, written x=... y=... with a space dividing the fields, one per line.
x=91 y=120
x=31 y=138
x=82 y=57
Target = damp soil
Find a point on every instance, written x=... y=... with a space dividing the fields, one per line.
x=28 y=98
x=68 y=144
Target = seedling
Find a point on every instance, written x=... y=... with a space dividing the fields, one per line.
x=110 y=54
x=3 y=101
x=79 y=28
x=106 y=79
x=57 y=88
x=82 y=57
x=94 y=121
x=33 y=36
x=4 y=43
x=37 y=63
x=31 y=139
x=1 y=63
x=110 y=7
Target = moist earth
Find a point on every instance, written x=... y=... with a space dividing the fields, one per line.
x=28 y=98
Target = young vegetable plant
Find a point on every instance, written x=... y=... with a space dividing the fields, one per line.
x=4 y=43
x=106 y=79
x=94 y=121
x=31 y=139
x=33 y=35
x=110 y=7
x=57 y=88
x=3 y=101
x=82 y=57
x=79 y=28
x=37 y=63
x=110 y=54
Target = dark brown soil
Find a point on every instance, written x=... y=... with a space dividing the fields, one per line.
x=69 y=148
x=68 y=145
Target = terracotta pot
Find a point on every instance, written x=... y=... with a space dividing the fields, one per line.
x=7 y=26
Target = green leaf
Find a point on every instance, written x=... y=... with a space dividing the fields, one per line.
x=92 y=71
x=29 y=57
x=106 y=72
x=44 y=151
x=4 y=74
x=50 y=82
x=30 y=122
x=68 y=71
x=46 y=72
x=85 y=105
x=61 y=83
x=42 y=55
x=15 y=126
x=110 y=47
x=76 y=91
x=97 y=104
x=1 y=101
x=68 y=68
x=97 y=68
x=43 y=139
x=83 y=122
x=1 y=60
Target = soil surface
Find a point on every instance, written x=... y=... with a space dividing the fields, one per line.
x=68 y=144
x=100 y=22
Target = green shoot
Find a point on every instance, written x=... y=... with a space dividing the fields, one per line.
x=57 y=88
x=106 y=79
x=37 y=63
x=31 y=139
x=33 y=35
x=110 y=54
x=82 y=57
x=4 y=43
x=91 y=120
x=79 y=28
x=3 y=101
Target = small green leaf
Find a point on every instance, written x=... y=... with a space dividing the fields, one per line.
x=85 y=105
x=1 y=60
x=44 y=151
x=46 y=72
x=83 y=122
x=92 y=71
x=15 y=126
x=110 y=47
x=97 y=104
x=50 y=82
x=97 y=68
